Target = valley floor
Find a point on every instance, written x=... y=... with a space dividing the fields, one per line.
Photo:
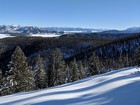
x=119 y=87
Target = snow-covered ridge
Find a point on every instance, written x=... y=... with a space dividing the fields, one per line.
x=119 y=87
x=11 y=29
x=27 y=30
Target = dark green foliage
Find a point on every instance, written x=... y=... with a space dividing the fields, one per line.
x=1 y=79
x=57 y=68
x=74 y=70
x=138 y=57
x=40 y=74
x=81 y=70
x=120 y=62
x=68 y=75
x=43 y=46
x=126 y=60
x=21 y=78
x=0 y=75
x=94 y=65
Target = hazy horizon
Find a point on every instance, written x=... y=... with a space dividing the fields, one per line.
x=65 y=27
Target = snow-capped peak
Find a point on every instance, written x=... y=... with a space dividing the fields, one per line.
x=133 y=29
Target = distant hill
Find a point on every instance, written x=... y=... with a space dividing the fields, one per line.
x=129 y=30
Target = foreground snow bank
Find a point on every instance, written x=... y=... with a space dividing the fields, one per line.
x=120 y=87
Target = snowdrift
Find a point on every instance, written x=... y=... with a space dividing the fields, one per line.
x=119 y=87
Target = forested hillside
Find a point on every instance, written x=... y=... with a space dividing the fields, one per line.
x=32 y=63
x=32 y=46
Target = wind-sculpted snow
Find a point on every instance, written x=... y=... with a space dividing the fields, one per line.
x=119 y=87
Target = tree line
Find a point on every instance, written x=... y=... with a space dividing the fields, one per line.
x=55 y=71
x=21 y=77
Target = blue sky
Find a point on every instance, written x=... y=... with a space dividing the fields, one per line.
x=103 y=14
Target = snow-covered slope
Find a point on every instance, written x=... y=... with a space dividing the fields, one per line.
x=120 y=87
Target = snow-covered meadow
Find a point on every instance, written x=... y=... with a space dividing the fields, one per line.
x=4 y=36
x=119 y=87
x=45 y=35
x=33 y=35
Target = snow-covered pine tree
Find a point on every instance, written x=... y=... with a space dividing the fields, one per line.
x=0 y=79
x=6 y=86
x=57 y=68
x=138 y=57
x=21 y=78
x=120 y=62
x=81 y=70
x=40 y=73
x=1 y=84
x=94 y=65
x=126 y=60
x=74 y=70
x=68 y=75
x=86 y=67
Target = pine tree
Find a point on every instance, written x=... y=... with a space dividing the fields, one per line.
x=5 y=85
x=86 y=67
x=108 y=64
x=81 y=70
x=57 y=68
x=68 y=75
x=74 y=70
x=0 y=74
x=94 y=65
x=21 y=78
x=40 y=74
x=126 y=60
x=1 y=79
x=138 y=57
x=120 y=62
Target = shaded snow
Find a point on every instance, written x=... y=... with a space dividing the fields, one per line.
x=120 y=87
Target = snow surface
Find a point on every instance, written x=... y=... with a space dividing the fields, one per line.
x=34 y=35
x=45 y=35
x=4 y=36
x=119 y=87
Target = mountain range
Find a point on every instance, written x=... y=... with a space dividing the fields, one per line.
x=28 y=30
x=128 y=30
